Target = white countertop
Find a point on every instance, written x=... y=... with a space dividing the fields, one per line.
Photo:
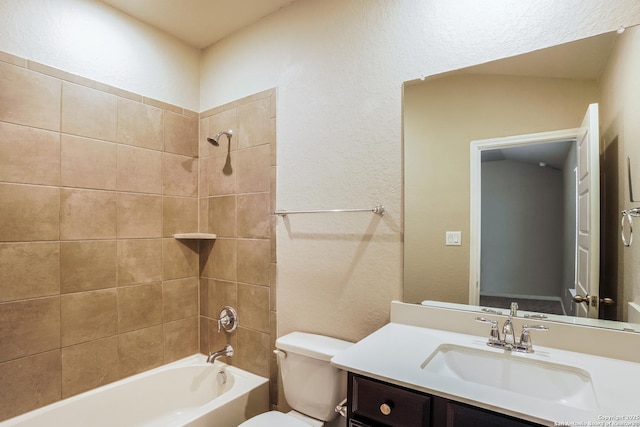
x=396 y=352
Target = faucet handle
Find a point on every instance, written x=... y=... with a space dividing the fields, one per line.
x=525 y=339
x=494 y=336
x=228 y=320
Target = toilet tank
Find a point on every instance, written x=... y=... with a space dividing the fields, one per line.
x=312 y=386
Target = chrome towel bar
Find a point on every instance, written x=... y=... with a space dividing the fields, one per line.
x=376 y=210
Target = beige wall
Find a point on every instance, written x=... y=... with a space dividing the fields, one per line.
x=339 y=67
x=94 y=181
x=619 y=112
x=237 y=196
x=441 y=117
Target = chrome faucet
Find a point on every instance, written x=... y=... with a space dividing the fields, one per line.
x=227 y=351
x=509 y=341
x=507 y=328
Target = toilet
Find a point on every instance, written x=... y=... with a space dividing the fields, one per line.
x=312 y=386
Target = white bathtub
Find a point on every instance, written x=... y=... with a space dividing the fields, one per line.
x=183 y=393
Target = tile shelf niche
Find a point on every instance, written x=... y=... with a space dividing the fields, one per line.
x=193 y=236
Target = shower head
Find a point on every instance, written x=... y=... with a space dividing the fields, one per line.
x=216 y=137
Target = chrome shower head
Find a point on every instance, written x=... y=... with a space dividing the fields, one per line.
x=216 y=137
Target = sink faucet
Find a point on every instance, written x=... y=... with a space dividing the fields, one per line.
x=507 y=329
x=509 y=341
x=227 y=351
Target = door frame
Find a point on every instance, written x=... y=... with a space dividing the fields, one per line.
x=475 y=207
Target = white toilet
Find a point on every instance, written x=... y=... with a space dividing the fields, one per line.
x=312 y=387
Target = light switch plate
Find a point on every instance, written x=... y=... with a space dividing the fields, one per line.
x=453 y=238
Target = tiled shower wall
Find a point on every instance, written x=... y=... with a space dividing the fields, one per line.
x=237 y=198
x=94 y=181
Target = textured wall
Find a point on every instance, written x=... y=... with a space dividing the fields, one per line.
x=339 y=68
x=91 y=39
x=94 y=181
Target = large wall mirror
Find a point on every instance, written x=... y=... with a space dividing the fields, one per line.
x=530 y=193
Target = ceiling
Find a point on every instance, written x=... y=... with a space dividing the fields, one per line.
x=198 y=23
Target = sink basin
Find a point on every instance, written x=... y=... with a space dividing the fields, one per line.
x=516 y=373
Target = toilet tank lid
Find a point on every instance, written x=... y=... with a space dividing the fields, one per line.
x=311 y=345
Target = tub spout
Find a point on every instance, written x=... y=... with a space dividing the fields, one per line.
x=227 y=351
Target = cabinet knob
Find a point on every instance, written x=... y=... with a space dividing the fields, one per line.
x=386 y=408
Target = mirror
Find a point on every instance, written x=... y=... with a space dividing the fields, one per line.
x=542 y=91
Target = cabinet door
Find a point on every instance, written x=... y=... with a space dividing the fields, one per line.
x=377 y=403
x=453 y=414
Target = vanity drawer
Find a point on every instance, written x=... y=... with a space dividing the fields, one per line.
x=388 y=405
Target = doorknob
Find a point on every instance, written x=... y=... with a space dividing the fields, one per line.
x=587 y=299
x=580 y=298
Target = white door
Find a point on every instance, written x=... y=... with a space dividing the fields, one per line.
x=588 y=246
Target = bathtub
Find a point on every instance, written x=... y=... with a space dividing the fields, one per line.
x=182 y=393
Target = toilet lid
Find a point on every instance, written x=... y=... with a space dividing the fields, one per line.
x=274 y=418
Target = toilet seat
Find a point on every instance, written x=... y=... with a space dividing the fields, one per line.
x=274 y=418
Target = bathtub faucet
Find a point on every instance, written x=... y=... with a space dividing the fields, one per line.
x=227 y=351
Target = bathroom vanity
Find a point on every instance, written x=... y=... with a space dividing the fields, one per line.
x=376 y=403
x=421 y=370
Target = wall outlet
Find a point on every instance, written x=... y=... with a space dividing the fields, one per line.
x=453 y=238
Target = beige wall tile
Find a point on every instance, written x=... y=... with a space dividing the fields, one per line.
x=29 y=213
x=255 y=124
x=253 y=306
x=140 y=350
x=88 y=316
x=87 y=265
x=139 y=170
x=179 y=175
x=139 y=216
x=88 y=163
x=179 y=299
x=254 y=215
x=203 y=214
x=203 y=134
x=179 y=215
x=139 y=306
x=139 y=124
x=139 y=261
x=273 y=287
x=254 y=169
x=222 y=172
x=254 y=261
x=179 y=259
x=29 y=327
x=89 y=112
x=29 y=270
x=219 y=295
x=180 y=134
x=29 y=383
x=21 y=148
x=253 y=351
x=89 y=365
x=29 y=98
x=87 y=214
x=204 y=335
x=222 y=260
x=203 y=177
x=203 y=297
x=181 y=338
x=12 y=59
x=222 y=216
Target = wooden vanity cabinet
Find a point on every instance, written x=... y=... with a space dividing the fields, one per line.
x=374 y=403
